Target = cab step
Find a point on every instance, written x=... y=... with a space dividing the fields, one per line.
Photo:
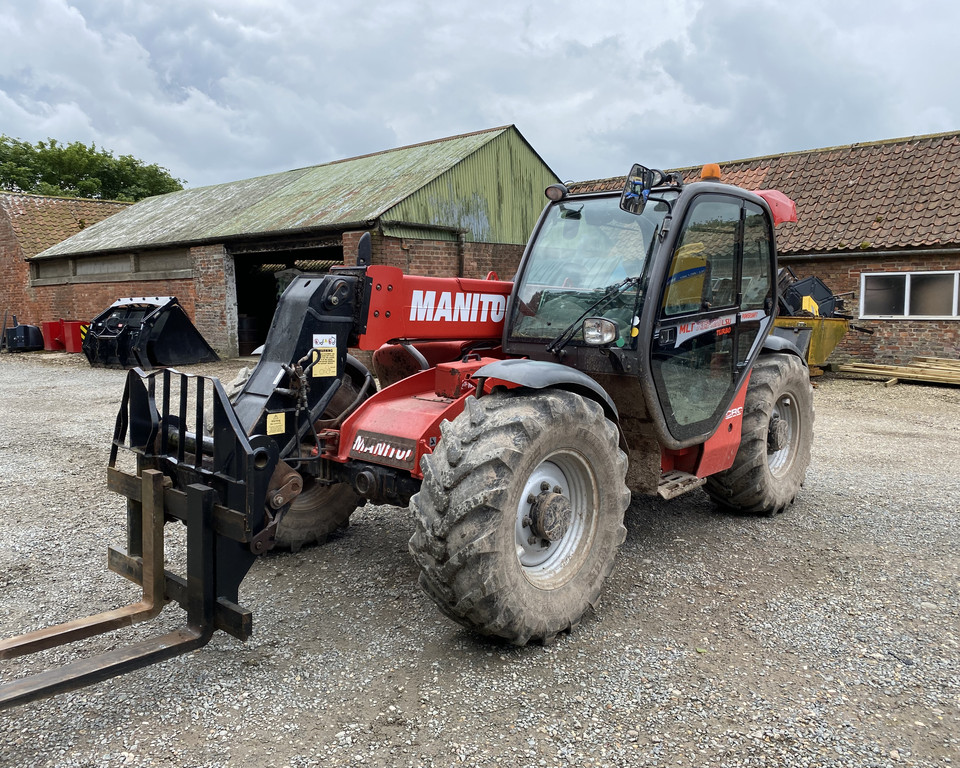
x=675 y=483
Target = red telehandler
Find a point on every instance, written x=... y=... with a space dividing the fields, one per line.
x=632 y=353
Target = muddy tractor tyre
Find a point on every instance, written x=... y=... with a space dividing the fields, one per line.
x=520 y=514
x=775 y=444
x=320 y=509
x=317 y=512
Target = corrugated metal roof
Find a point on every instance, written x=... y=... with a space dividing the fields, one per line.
x=40 y=222
x=333 y=195
x=877 y=196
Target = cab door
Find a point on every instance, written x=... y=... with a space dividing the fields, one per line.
x=715 y=306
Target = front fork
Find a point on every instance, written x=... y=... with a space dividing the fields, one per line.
x=217 y=487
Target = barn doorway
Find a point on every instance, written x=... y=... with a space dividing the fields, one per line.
x=263 y=273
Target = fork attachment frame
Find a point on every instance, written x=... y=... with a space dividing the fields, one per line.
x=216 y=486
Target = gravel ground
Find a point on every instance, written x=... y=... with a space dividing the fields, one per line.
x=827 y=636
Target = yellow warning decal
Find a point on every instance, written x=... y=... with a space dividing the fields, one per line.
x=276 y=423
x=325 y=362
x=324 y=355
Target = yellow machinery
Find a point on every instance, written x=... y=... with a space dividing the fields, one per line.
x=815 y=336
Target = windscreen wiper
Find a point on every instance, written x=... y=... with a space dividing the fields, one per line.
x=610 y=293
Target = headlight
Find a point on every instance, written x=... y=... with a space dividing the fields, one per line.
x=599 y=331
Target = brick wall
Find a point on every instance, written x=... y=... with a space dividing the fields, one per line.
x=438 y=258
x=892 y=342
x=434 y=258
x=87 y=300
x=215 y=284
x=77 y=301
x=14 y=274
x=481 y=258
x=208 y=299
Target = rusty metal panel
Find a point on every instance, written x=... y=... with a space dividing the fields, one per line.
x=494 y=195
x=417 y=232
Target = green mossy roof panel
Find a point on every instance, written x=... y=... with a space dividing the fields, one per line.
x=495 y=195
x=332 y=195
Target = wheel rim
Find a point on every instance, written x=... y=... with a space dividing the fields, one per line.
x=785 y=420
x=549 y=564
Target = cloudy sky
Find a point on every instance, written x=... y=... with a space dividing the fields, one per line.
x=218 y=90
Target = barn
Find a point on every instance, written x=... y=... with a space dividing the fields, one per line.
x=462 y=205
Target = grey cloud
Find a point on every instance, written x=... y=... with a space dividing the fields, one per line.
x=220 y=90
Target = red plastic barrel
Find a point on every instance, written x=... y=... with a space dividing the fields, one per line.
x=52 y=335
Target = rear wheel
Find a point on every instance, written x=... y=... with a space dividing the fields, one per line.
x=520 y=513
x=775 y=445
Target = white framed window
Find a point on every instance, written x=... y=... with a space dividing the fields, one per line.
x=914 y=295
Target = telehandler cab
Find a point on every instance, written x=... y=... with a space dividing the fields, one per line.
x=632 y=353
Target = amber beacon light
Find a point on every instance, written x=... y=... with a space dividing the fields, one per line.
x=710 y=172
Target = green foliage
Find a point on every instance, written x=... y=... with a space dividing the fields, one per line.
x=76 y=170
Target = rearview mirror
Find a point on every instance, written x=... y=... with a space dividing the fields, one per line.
x=637 y=188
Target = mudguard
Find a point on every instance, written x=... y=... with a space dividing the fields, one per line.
x=773 y=343
x=538 y=374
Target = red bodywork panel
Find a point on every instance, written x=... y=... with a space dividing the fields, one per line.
x=401 y=423
x=398 y=425
x=414 y=307
x=392 y=362
x=719 y=450
x=781 y=206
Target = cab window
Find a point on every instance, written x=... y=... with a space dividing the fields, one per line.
x=703 y=268
x=756 y=285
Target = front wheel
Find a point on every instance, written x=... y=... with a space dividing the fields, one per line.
x=520 y=513
x=774 y=452
x=320 y=509
x=317 y=512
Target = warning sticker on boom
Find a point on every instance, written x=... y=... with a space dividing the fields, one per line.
x=324 y=355
x=276 y=423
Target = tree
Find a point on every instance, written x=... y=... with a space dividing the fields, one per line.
x=76 y=170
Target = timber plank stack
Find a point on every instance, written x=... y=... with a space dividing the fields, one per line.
x=932 y=370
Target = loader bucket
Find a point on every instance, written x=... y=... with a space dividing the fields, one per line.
x=147 y=332
x=819 y=335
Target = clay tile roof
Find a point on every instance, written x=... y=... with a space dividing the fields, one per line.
x=40 y=222
x=886 y=195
